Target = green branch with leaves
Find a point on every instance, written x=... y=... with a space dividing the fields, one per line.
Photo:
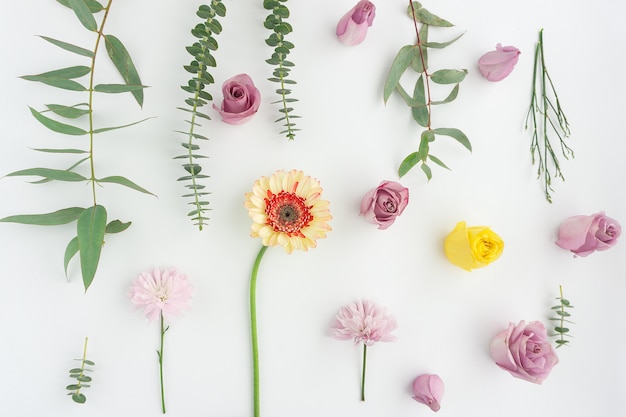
x=415 y=58
x=277 y=23
x=91 y=222
x=202 y=60
x=546 y=115
x=562 y=317
x=82 y=380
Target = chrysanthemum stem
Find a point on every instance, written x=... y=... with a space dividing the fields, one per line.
x=363 y=373
x=253 y=328
x=160 y=352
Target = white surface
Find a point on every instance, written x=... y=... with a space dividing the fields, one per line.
x=350 y=141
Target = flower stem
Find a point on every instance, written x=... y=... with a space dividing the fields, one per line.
x=253 y=328
x=160 y=353
x=363 y=374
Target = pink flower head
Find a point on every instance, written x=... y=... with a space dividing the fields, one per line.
x=524 y=351
x=167 y=292
x=241 y=99
x=428 y=389
x=364 y=322
x=352 y=27
x=585 y=234
x=497 y=65
x=384 y=203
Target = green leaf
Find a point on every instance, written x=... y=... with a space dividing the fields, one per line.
x=418 y=63
x=70 y=251
x=63 y=216
x=428 y=18
x=106 y=129
x=88 y=362
x=116 y=226
x=399 y=65
x=456 y=134
x=561 y=329
x=63 y=83
x=427 y=171
x=69 y=72
x=94 y=6
x=451 y=96
x=70 y=112
x=57 y=126
x=59 y=150
x=420 y=114
x=125 y=182
x=90 y=227
x=84 y=378
x=53 y=174
x=79 y=398
x=440 y=45
x=73 y=387
x=69 y=47
x=124 y=64
x=76 y=371
x=448 y=76
x=84 y=14
x=438 y=161
x=409 y=162
x=117 y=88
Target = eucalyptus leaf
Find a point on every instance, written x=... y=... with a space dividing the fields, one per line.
x=455 y=134
x=63 y=83
x=116 y=226
x=440 y=45
x=70 y=112
x=124 y=64
x=437 y=161
x=84 y=14
x=400 y=64
x=57 y=126
x=79 y=397
x=69 y=72
x=69 y=47
x=448 y=76
x=55 y=218
x=88 y=362
x=53 y=174
x=116 y=179
x=428 y=18
x=420 y=61
x=427 y=171
x=70 y=251
x=90 y=227
x=420 y=114
x=48 y=150
x=453 y=94
x=117 y=88
x=106 y=129
x=94 y=6
x=409 y=162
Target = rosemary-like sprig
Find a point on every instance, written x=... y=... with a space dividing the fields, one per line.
x=562 y=317
x=81 y=379
x=545 y=114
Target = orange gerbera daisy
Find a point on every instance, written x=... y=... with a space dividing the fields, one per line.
x=286 y=210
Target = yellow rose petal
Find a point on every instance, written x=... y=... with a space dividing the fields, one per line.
x=473 y=247
x=457 y=248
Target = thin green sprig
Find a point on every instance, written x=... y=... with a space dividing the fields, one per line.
x=276 y=22
x=160 y=355
x=562 y=316
x=202 y=60
x=546 y=115
x=81 y=379
x=420 y=101
x=363 y=372
x=254 y=333
x=91 y=222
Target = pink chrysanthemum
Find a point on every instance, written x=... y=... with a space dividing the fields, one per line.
x=364 y=322
x=157 y=292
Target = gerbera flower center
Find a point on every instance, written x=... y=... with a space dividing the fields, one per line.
x=161 y=294
x=287 y=212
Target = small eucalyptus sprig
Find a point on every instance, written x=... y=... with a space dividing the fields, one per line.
x=81 y=379
x=545 y=114
x=202 y=60
x=91 y=222
x=562 y=316
x=276 y=22
x=415 y=57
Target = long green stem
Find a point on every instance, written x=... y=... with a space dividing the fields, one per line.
x=253 y=328
x=363 y=372
x=160 y=353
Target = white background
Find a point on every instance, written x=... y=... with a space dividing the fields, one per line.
x=350 y=141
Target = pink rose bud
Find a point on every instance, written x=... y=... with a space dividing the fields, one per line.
x=585 y=234
x=496 y=65
x=241 y=100
x=384 y=203
x=352 y=27
x=525 y=351
x=428 y=389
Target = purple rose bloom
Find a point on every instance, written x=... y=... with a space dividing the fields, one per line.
x=497 y=65
x=525 y=351
x=241 y=99
x=585 y=234
x=352 y=27
x=384 y=203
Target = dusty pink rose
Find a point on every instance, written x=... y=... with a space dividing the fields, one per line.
x=525 y=351
x=381 y=205
x=428 y=389
x=585 y=234
x=497 y=65
x=352 y=27
x=241 y=99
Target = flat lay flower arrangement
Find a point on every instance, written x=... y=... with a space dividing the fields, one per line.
x=386 y=290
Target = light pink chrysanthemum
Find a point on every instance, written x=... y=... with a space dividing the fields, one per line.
x=364 y=322
x=161 y=291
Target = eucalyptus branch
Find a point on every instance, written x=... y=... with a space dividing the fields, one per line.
x=561 y=317
x=202 y=59
x=420 y=100
x=91 y=222
x=277 y=23
x=81 y=379
x=546 y=106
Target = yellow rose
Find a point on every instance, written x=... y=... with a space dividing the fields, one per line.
x=472 y=247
